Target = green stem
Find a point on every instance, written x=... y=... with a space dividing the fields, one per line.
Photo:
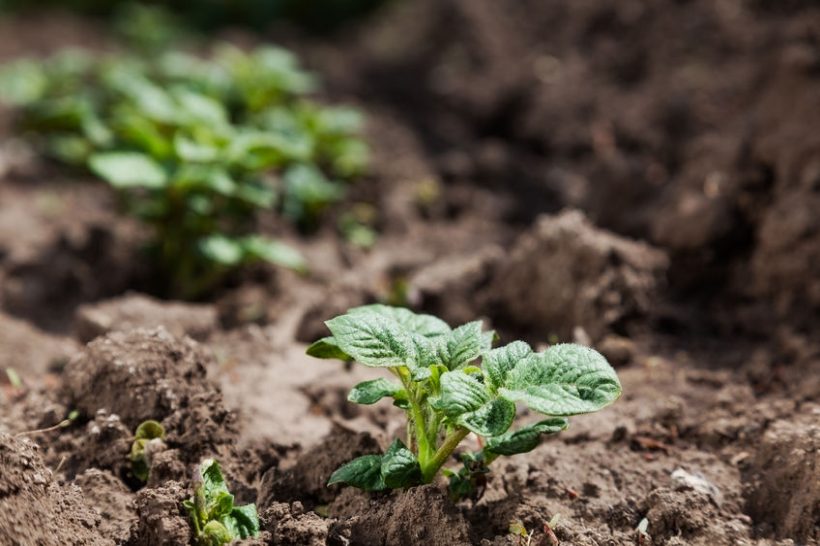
x=419 y=431
x=431 y=467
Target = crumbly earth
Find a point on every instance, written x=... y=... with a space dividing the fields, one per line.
x=597 y=174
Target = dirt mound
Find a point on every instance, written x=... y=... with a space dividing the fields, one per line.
x=784 y=496
x=418 y=516
x=161 y=517
x=28 y=350
x=108 y=497
x=34 y=509
x=306 y=480
x=150 y=374
x=134 y=311
x=565 y=273
x=704 y=149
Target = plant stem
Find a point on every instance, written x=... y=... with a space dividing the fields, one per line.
x=431 y=467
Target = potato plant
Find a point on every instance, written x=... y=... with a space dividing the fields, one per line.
x=451 y=382
x=197 y=147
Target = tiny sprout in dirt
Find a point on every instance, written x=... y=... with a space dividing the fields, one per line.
x=148 y=433
x=451 y=382
x=215 y=518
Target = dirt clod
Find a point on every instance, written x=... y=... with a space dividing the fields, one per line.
x=150 y=374
x=139 y=311
x=566 y=272
x=784 y=497
x=306 y=480
x=162 y=521
x=34 y=509
x=107 y=496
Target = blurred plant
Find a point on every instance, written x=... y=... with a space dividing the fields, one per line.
x=446 y=395
x=197 y=147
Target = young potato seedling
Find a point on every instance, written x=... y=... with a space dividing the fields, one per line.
x=215 y=518
x=197 y=148
x=148 y=433
x=451 y=382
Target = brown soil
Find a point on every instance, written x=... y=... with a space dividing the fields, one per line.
x=643 y=176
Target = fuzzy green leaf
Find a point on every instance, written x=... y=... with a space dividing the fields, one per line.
x=363 y=472
x=128 y=170
x=460 y=393
x=399 y=467
x=564 y=380
x=212 y=480
x=487 y=340
x=491 y=419
x=374 y=340
x=243 y=521
x=370 y=392
x=464 y=345
x=524 y=439
x=424 y=325
x=327 y=348
x=498 y=362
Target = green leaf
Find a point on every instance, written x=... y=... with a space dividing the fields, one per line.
x=222 y=250
x=487 y=339
x=425 y=325
x=363 y=472
x=150 y=430
x=128 y=170
x=370 y=392
x=187 y=149
x=246 y=520
x=491 y=419
x=566 y=379
x=498 y=362
x=399 y=467
x=460 y=393
x=274 y=252
x=524 y=439
x=212 y=480
x=220 y=505
x=256 y=193
x=205 y=178
x=200 y=109
x=464 y=345
x=327 y=348
x=374 y=340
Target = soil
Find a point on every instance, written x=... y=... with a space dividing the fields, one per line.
x=640 y=176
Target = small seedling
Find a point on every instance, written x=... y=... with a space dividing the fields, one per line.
x=73 y=415
x=451 y=382
x=147 y=434
x=518 y=530
x=215 y=518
